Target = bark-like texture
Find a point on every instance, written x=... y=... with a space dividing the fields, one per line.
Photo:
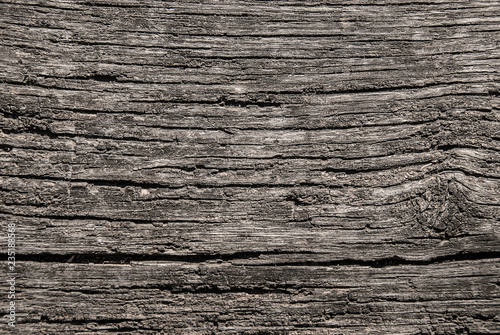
x=252 y=167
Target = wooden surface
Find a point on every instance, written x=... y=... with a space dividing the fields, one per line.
x=251 y=167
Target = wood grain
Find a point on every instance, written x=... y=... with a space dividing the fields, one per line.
x=252 y=167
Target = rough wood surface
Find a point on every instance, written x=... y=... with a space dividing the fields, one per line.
x=252 y=167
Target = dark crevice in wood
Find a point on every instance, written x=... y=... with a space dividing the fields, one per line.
x=117 y=183
x=99 y=321
x=53 y=135
x=225 y=101
x=150 y=185
x=215 y=289
x=76 y=217
x=121 y=258
x=112 y=4
x=99 y=77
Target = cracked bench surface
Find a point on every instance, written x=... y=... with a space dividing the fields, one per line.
x=251 y=167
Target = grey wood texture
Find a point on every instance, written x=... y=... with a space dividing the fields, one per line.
x=252 y=167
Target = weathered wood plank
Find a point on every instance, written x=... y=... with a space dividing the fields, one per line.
x=149 y=297
x=252 y=167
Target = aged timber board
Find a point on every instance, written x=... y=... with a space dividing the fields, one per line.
x=250 y=167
